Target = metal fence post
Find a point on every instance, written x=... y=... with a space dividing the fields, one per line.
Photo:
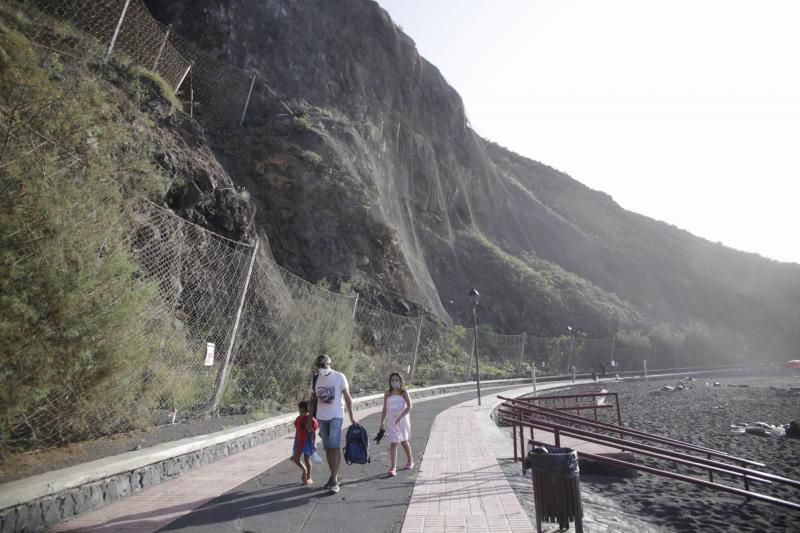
x=161 y=48
x=249 y=94
x=191 y=96
x=355 y=306
x=522 y=352
x=416 y=352
x=223 y=372
x=116 y=31
x=186 y=73
x=533 y=377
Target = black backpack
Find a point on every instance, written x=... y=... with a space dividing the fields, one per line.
x=356 y=448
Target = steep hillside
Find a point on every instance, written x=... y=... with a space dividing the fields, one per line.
x=378 y=179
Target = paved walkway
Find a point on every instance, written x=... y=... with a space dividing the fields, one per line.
x=461 y=487
x=458 y=486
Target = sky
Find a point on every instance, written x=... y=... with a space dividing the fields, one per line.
x=685 y=111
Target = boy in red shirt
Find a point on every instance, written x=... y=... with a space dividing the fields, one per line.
x=304 y=442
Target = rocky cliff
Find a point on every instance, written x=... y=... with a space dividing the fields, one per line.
x=377 y=178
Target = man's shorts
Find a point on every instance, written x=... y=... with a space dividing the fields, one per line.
x=330 y=431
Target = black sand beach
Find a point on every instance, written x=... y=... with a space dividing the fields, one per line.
x=703 y=414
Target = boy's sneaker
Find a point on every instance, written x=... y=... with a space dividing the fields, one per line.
x=334 y=488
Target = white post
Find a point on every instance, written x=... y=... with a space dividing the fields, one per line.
x=355 y=306
x=613 y=342
x=191 y=97
x=223 y=375
x=183 y=78
x=645 y=370
x=522 y=352
x=533 y=377
x=161 y=48
x=116 y=31
x=247 y=102
x=416 y=351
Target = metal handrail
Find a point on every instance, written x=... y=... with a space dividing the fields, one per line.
x=556 y=413
x=632 y=432
x=577 y=405
x=669 y=455
x=710 y=484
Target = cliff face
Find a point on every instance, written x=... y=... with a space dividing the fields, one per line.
x=378 y=179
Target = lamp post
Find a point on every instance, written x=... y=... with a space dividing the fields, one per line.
x=571 y=345
x=473 y=297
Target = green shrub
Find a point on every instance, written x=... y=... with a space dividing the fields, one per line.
x=311 y=157
x=77 y=343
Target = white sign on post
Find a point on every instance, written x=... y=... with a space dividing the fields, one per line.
x=209 y=354
x=613 y=364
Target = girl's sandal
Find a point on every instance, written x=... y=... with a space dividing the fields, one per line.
x=409 y=466
x=392 y=472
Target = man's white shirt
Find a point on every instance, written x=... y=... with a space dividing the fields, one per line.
x=329 y=389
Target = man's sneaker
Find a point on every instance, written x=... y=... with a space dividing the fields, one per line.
x=334 y=488
x=328 y=485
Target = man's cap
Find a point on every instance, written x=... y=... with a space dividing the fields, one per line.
x=323 y=360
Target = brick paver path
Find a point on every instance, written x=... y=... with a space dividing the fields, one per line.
x=461 y=487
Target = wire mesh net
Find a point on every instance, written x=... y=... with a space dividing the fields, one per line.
x=548 y=354
x=286 y=323
x=444 y=354
x=556 y=355
x=89 y=18
x=140 y=37
x=219 y=90
x=146 y=43
x=191 y=281
x=383 y=342
x=500 y=355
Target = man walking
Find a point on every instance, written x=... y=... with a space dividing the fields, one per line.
x=329 y=389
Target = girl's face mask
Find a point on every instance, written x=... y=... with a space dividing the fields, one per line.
x=395 y=383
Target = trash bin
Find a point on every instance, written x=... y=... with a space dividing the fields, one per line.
x=556 y=487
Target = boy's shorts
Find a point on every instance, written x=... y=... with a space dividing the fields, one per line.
x=330 y=431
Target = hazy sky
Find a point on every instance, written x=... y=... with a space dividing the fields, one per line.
x=684 y=111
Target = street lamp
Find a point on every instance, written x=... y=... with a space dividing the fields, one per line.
x=473 y=297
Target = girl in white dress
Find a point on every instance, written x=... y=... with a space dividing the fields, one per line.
x=396 y=406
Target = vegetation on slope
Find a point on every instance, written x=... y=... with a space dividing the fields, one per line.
x=75 y=152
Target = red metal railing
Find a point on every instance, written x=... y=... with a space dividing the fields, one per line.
x=520 y=412
x=594 y=405
x=622 y=431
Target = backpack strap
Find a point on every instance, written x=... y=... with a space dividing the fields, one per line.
x=313 y=407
